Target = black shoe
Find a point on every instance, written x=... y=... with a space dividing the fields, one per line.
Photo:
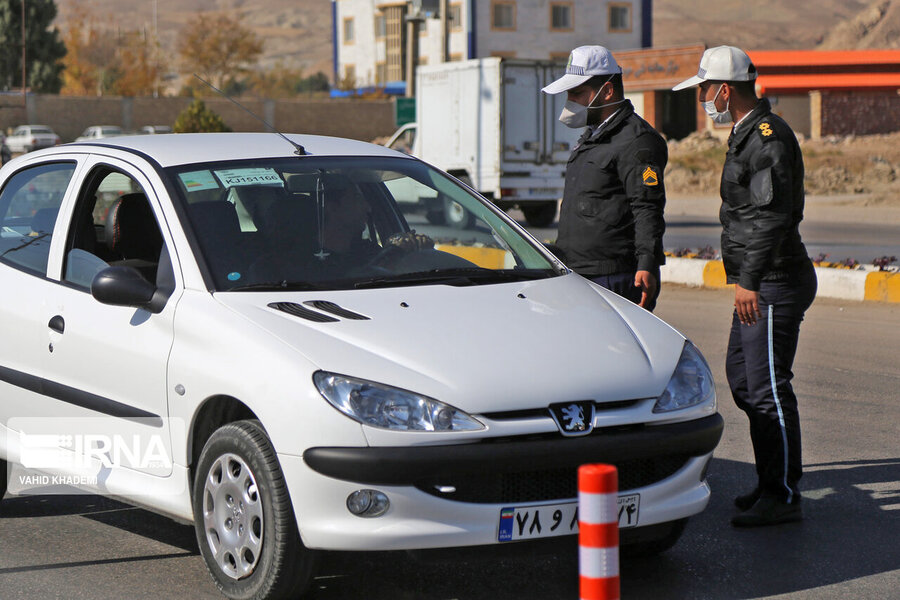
x=768 y=511
x=745 y=501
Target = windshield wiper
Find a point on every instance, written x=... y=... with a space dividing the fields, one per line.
x=276 y=286
x=458 y=277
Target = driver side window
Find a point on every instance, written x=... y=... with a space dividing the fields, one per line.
x=113 y=224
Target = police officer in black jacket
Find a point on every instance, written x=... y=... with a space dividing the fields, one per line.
x=611 y=220
x=774 y=279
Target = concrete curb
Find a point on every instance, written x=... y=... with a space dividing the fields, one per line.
x=845 y=284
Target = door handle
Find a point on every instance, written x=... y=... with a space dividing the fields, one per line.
x=57 y=324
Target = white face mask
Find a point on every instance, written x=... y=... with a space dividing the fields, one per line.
x=718 y=117
x=575 y=115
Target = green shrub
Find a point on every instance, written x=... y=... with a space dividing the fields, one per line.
x=196 y=118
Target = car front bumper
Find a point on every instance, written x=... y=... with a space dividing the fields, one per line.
x=420 y=518
x=409 y=465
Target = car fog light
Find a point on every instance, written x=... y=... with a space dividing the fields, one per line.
x=368 y=503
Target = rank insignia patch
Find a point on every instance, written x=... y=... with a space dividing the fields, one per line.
x=765 y=129
x=650 y=177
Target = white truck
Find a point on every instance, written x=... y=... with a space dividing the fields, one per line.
x=486 y=122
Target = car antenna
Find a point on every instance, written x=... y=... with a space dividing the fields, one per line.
x=298 y=149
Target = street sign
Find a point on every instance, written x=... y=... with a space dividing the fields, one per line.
x=404 y=110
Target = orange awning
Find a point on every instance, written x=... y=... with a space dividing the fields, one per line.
x=796 y=84
x=823 y=58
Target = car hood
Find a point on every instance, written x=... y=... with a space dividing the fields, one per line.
x=483 y=348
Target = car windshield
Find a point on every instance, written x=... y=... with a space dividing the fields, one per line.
x=349 y=222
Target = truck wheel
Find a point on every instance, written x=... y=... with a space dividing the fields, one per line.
x=435 y=217
x=540 y=214
x=456 y=216
x=243 y=518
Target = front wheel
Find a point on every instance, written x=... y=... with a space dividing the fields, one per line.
x=243 y=518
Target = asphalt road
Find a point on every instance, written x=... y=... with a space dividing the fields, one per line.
x=860 y=241
x=847 y=377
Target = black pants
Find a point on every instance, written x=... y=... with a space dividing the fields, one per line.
x=623 y=285
x=758 y=366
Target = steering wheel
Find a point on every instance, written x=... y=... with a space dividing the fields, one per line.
x=388 y=252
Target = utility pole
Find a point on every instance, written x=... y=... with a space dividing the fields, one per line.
x=155 y=53
x=413 y=21
x=445 y=31
x=24 y=78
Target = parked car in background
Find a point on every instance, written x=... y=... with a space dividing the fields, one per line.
x=98 y=132
x=5 y=153
x=283 y=361
x=156 y=129
x=26 y=138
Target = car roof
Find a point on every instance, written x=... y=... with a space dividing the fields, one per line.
x=188 y=148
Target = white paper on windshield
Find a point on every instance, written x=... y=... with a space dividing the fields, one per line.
x=254 y=176
x=199 y=180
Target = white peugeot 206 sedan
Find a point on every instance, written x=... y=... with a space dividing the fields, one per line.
x=244 y=332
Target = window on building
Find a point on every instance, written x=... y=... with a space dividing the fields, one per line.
x=620 y=17
x=454 y=15
x=349 y=31
x=503 y=15
x=380 y=73
x=349 y=81
x=561 y=16
x=456 y=57
x=380 y=26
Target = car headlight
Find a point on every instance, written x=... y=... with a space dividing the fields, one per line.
x=388 y=407
x=691 y=383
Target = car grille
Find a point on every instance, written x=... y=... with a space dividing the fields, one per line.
x=549 y=484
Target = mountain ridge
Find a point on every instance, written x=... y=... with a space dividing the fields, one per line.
x=298 y=34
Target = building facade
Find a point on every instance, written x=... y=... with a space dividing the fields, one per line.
x=818 y=92
x=375 y=40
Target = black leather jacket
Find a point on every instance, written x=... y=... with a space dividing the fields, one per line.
x=611 y=218
x=762 y=201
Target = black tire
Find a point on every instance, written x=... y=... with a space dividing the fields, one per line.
x=456 y=216
x=540 y=214
x=239 y=481
x=652 y=540
x=435 y=217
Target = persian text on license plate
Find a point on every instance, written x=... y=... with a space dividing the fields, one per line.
x=557 y=519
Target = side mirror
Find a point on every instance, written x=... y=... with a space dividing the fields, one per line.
x=125 y=286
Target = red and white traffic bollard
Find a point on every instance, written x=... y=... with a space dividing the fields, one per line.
x=598 y=532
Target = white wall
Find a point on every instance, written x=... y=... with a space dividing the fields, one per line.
x=532 y=37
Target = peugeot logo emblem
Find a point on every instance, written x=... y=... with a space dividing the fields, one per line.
x=573 y=418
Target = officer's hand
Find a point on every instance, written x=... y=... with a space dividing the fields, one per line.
x=647 y=282
x=746 y=304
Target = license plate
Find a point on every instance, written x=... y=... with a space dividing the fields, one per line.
x=550 y=520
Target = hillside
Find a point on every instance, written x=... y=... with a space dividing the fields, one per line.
x=759 y=25
x=297 y=33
